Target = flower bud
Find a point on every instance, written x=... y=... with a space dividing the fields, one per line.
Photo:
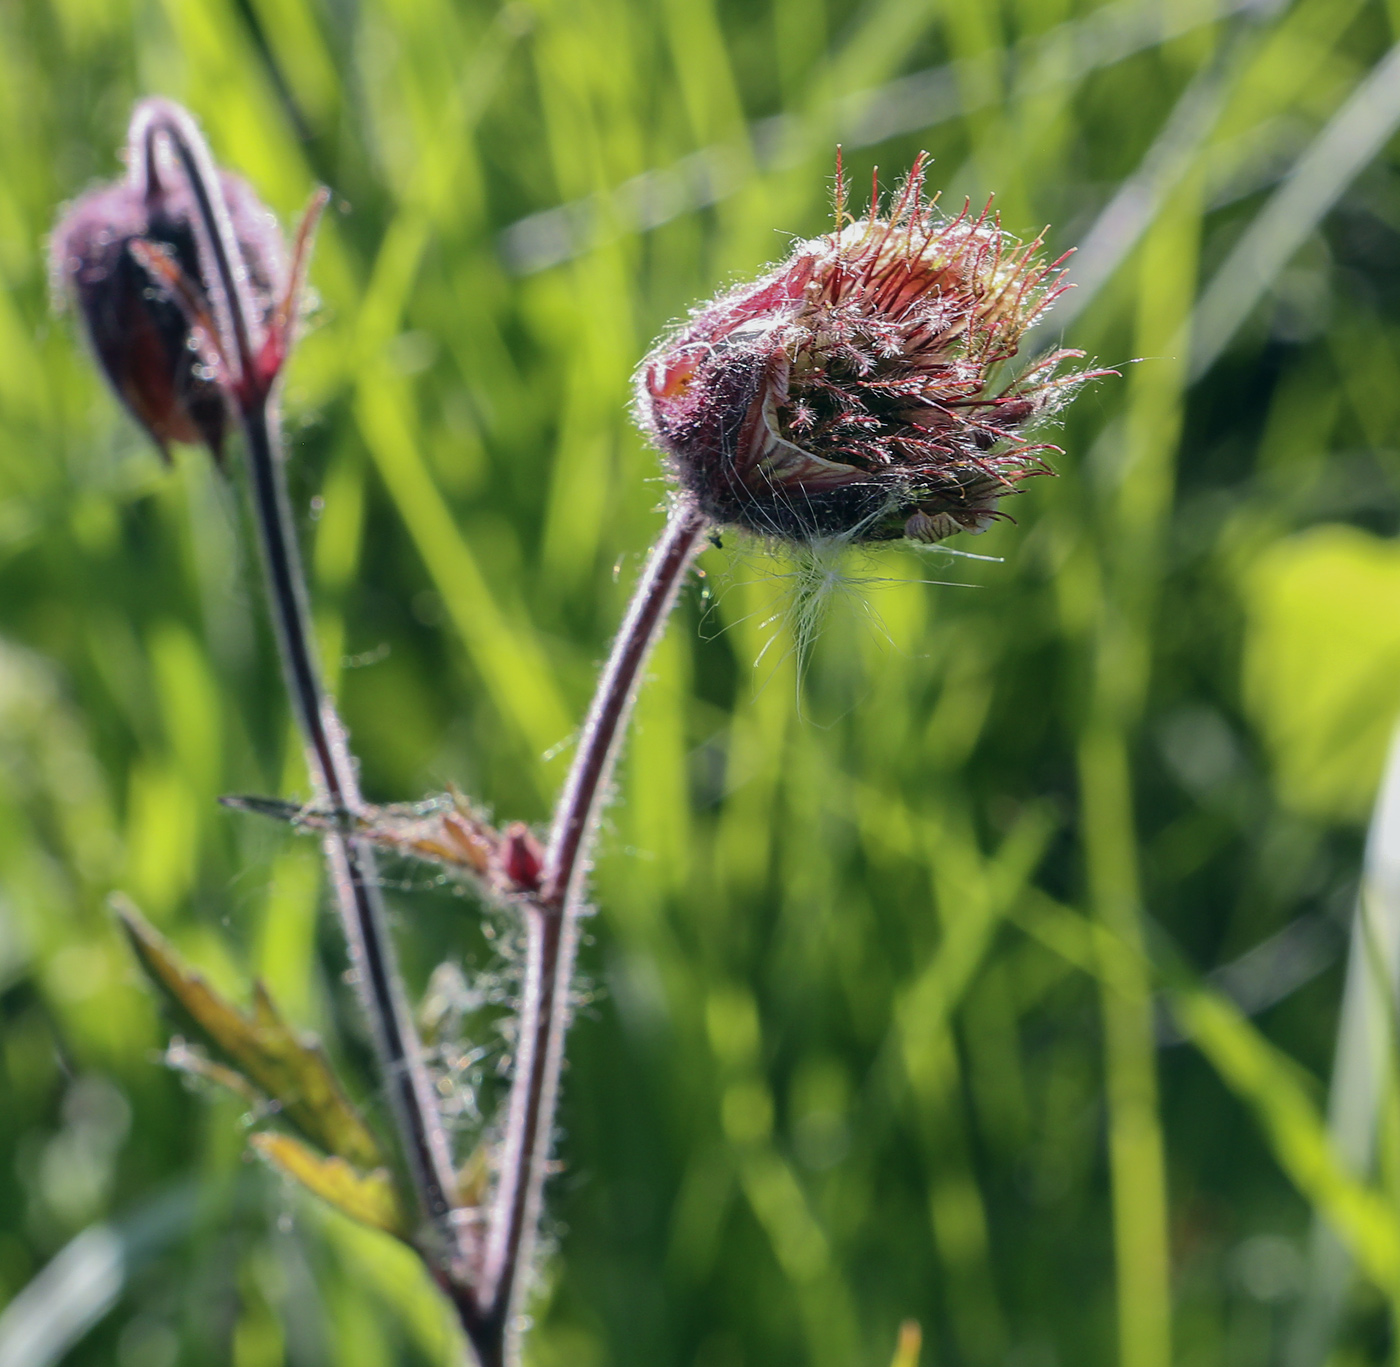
x=142 y=335
x=855 y=391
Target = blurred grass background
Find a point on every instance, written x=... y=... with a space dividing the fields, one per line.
x=987 y=964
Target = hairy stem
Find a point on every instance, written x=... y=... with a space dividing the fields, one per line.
x=227 y=283
x=351 y=861
x=552 y=926
x=413 y=1099
x=485 y=1283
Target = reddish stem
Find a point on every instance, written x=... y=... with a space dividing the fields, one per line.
x=552 y=923
x=486 y=1289
x=406 y=1078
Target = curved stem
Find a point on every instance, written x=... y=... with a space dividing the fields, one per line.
x=351 y=861
x=227 y=282
x=412 y=1096
x=552 y=924
x=485 y=1284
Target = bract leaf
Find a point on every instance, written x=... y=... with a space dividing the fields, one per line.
x=291 y=1070
x=369 y=1197
x=445 y=830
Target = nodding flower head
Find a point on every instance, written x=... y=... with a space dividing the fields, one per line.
x=854 y=392
x=103 y=255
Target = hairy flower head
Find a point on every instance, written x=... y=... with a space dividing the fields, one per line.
x=857 y=390
x=100 y=260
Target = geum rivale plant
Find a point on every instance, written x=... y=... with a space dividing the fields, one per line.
x=858 y=392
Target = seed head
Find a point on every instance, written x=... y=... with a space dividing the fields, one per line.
x=101 y=258
x=856 y=391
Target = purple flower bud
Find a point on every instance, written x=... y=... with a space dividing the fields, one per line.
x=141 y=334
x=854 y=391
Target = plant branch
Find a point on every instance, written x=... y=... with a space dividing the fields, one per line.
x=484 y=1282
x=552 y=928
x=406 y=1078
x=350 y=860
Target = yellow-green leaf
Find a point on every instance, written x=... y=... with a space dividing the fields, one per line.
x=369 y=1197
x=292 y=1071
x=1322 y=664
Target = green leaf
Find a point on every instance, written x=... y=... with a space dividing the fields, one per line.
x=369 y=1197
x=1279 y=1093
x=291 y=1070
